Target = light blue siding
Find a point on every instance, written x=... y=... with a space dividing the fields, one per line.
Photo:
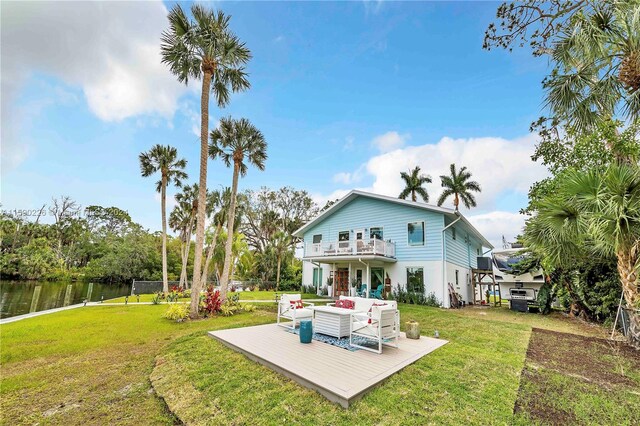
x=463 y=250
x=367 y=212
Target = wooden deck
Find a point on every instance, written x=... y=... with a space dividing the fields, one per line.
x=340 y=375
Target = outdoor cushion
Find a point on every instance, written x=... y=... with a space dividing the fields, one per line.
x=288 y=297
x=371 y=309
x=300 y=313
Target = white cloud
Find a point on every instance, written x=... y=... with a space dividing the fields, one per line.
x=501 y=166
x=498 y=164
x=111 y=50
x=495 y=224
x=279 y=39
x=389 y=141
x=106 y=48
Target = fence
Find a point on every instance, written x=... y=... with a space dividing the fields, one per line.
x=149 y=287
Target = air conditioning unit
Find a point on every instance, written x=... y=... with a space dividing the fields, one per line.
x=484 y=263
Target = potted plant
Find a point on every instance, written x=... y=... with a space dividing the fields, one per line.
x=330 y=286
x=354 y=285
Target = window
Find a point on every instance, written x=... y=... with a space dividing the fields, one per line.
x=457 y=279
x=478 y=251
x=343 y=236
x=317 y=277
x=415 y=280
x=453 y=233
x=376 y=232
x=415 y=231
x=359 y=276
x=317 y=238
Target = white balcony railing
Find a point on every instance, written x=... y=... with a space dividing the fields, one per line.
x=354 y=248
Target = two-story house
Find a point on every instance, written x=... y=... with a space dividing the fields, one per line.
x=368 y=238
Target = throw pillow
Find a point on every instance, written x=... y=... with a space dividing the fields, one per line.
x=345 y=304
x=297 y=304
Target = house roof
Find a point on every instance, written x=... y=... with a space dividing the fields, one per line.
x=450 y=213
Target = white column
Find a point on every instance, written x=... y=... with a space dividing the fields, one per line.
x=368 y=280
x=349 y=284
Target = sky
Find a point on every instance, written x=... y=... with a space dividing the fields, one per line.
x=347 y=94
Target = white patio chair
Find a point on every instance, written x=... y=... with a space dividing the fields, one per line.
x=288 y=311
x=381 y=325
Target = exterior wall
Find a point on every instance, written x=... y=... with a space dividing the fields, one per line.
x=464 y=281
x=462 y=251
x=364 y=213
x=397 y=273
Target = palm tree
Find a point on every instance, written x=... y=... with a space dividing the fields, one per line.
x=233 y=141
x=204 y=48
x=280 y=244
x=413 y=182
x=163 y=159
x=188 y=201
x=458 y=185
x=598 y=212
x=180 y=220
x=596 y=74
x=217 y=204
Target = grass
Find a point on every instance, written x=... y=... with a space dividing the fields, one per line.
x=92 y=365
x=244 y=295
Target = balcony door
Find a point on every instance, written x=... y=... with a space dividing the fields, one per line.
x=362 y=241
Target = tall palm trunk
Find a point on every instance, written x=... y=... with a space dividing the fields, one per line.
x=224 y=282
x=184 y=277
x=183 y=271
x=202 y=194
x=456 y=201
x=413 y=196
x=627 y=260
x=210 y=251
x=278 y=273
x=163 y=190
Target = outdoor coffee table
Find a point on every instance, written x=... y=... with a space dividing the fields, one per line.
x=332 y=321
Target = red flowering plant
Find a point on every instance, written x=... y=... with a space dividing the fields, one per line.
x=211 y=303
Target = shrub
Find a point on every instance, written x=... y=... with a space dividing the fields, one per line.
x=177 y=312
x=211 y=303
x=309 y=289
x=248 y=307
x=156 y=298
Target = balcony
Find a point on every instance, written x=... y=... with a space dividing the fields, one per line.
x=372 y=247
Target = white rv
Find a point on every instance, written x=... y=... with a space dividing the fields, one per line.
x=517 y=287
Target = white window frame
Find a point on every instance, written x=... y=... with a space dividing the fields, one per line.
x=424 y=233
x=381 y=227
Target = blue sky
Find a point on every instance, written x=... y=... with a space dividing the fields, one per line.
x=347 y=94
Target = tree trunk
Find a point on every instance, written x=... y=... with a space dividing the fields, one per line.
x=224 y=282
x=627 y=259
x=183 y=271
x=202 y=194
x=184 y=276
x=163 y=190
x=210 y=251
x=456 y=201
x=413 y=196
x=278 y=274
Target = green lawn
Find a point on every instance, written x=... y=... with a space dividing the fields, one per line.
x=244 y=295
x=93 y=365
